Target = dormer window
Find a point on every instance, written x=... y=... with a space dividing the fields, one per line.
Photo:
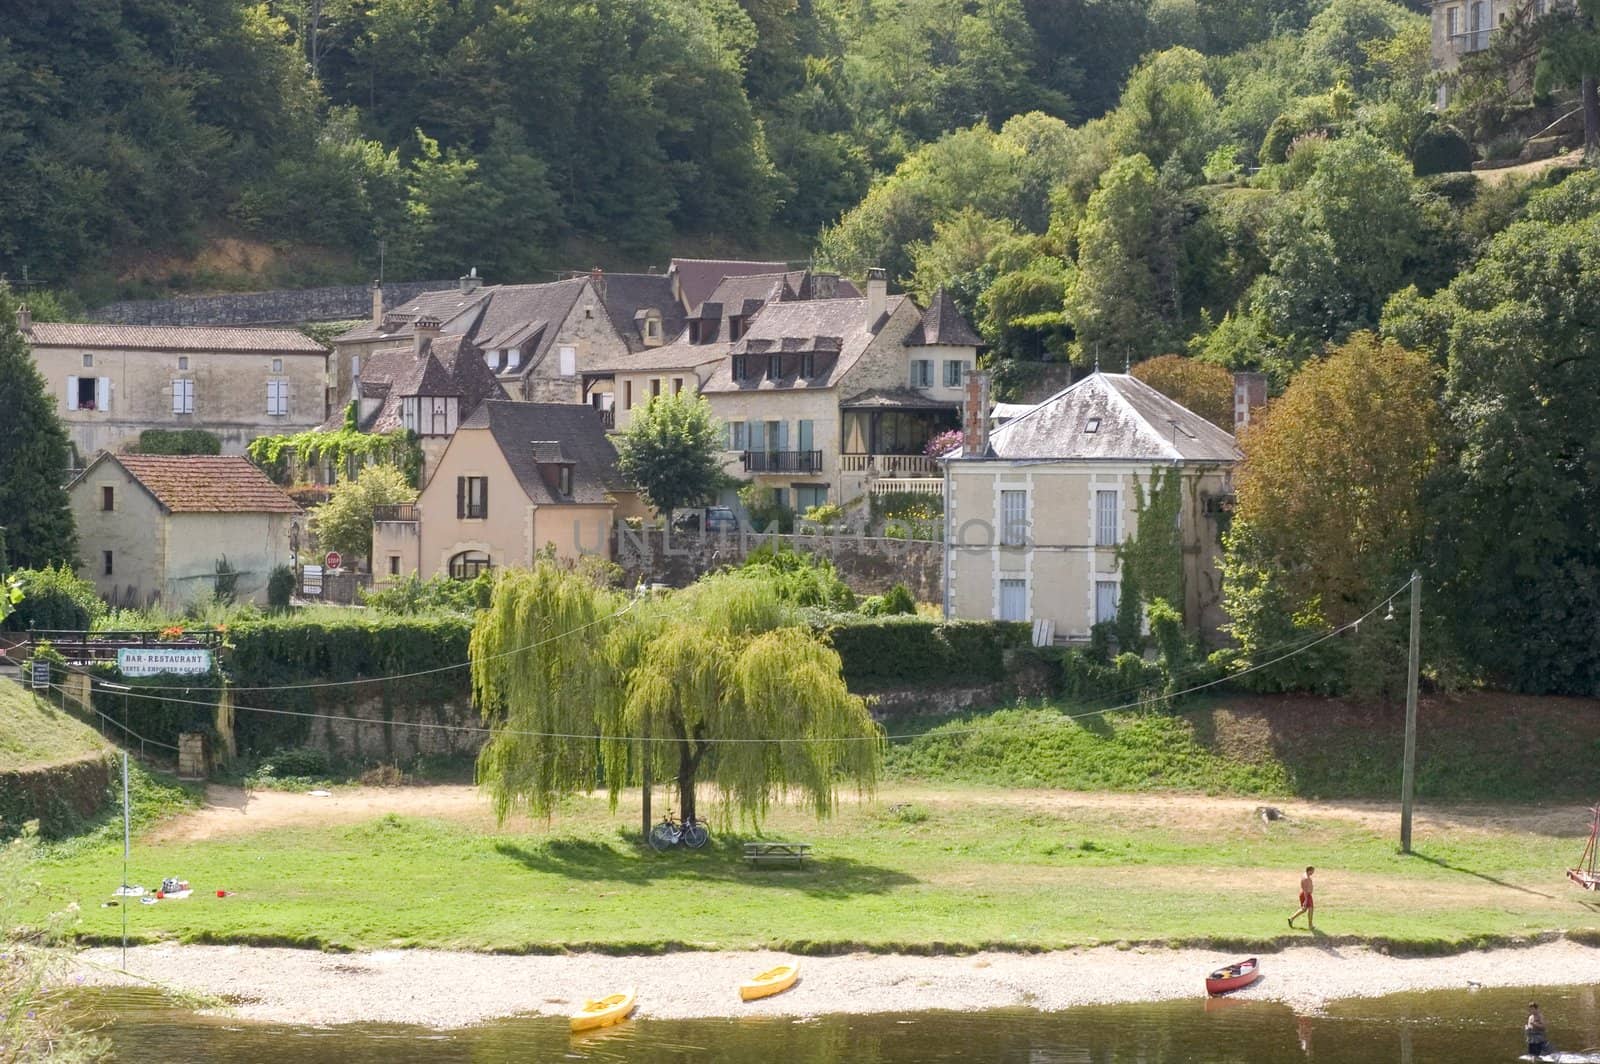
x=652 y=329
x=775 y=367
x=513 y=358
x=741 y=367
x=735 y=327
x=1092 y=425
x=491 y=358
x=564 y=480
x=808 y=365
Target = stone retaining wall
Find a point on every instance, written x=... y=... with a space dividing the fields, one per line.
x=346 y=302
x=870 y=566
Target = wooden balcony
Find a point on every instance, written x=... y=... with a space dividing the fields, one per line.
x=405 y=511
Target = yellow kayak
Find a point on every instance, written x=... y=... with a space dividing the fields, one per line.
x=772 y=981
x=603 y=1012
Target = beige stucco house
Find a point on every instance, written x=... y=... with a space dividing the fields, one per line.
x=1036 y=510
x=111 y=382
x=1460 y=28
x=153 y=528
x=515 y=479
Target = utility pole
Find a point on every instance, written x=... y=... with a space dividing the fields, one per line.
x=1409 y=771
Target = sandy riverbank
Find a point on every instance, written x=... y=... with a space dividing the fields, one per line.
x=445 y=989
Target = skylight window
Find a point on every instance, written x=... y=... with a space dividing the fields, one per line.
x=1092 y=425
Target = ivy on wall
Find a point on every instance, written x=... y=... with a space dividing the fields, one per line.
x=348 y=449
x=1152 y=559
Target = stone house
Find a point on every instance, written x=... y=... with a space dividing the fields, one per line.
x=112 y=382
x=1037 y=509
x=515 y=478
x=1460 y=28
x=155 y=527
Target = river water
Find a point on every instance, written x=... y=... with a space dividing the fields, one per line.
x=1458 y=1027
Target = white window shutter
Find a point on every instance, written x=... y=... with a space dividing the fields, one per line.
x=72 y=393
x=102 y=393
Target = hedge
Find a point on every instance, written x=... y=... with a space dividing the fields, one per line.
x=290 y=650
x=61 y=797
x=879 y=653
x=158 y=707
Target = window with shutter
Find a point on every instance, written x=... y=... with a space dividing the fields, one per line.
x=182 y=396
x=1013 y=518
x=569 y=361
x=461 y=497
x=277 y=397
x=102 y=393
x=1013 y=600
x=1106 y=598
x=1105 y=519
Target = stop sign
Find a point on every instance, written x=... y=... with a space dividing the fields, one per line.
x=333 y=559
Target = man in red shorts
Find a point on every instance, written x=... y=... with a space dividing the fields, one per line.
x=1307 y=906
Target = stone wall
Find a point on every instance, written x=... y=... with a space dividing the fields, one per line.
x=869 y=566
x=347 y=302
x=398 y=732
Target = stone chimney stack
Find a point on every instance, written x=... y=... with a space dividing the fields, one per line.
x=877 y=294
x=1249 y=394
x=377 y=303
x=597 y=278
x=423 y=330
x=975 y=416
x=824 y=285
x=24 y=319
x=470 y=282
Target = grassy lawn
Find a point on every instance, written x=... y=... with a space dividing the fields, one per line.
x=919 y=869
x=33 y=732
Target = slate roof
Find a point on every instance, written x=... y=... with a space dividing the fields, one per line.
x=447 y=305
x=627 y=295
x=207 y=483
x=698 y=278
x=942 y=323
x=1130 y=419
x=176 y=338
x=895 y=399
x=524 y=432
x=836 y=331
x=449 y=365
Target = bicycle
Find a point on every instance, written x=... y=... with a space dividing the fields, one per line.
x=672 y=832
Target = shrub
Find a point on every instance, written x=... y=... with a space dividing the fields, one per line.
x=896 y=601
x=1459 y=189
x=761 y=503
x=55 y=599
x=301 y=763
x=178 y=441
x=800 y=578
x=1503 y=148
x=280 y=588
x=413 y=595
x=828 y=515
x=1441 y=149
x=905 y=651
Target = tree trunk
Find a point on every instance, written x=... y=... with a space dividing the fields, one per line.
x=690 y=752
x=1591 y=119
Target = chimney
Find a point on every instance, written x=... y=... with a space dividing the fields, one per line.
x=824 y=285
x=471 y=282
x=423 y=330
x=975 y=416
x=24 y=319
x=877 y=294
x=377 y=303
x=1249 y=393
x=597 y=278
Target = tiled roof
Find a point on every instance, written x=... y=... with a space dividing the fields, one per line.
x=451 y=365
x=446 y=305
x=1112 y=416
x=176 y=338
x=942 y=323
x=895 y=399
x=627 y=295
x=524 y=432
x=698 y=278
x=204 y=483
x=821 y=326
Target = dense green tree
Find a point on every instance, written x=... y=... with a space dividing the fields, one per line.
x=1167 y=112
x=34 y=457
x=672 y=449
x=344 y=522
x=1517 y=551
x=719 y=682
x=1203 y=387
x=1570 y=57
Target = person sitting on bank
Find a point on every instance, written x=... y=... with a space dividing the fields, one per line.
x=1534 y=1031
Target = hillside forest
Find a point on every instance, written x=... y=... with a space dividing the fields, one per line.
x=1208 y=185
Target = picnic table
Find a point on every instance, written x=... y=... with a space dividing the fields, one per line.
x=760 y=853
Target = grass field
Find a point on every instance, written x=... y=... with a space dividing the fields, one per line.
x=32 y=732
x=921 y=869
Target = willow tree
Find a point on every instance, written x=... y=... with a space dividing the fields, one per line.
x=720 y=683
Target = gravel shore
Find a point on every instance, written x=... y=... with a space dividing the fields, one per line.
x=446 y=989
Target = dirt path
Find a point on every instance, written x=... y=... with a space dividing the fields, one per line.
x=230 y=811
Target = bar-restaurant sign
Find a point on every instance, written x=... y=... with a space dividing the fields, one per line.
x=152 y=661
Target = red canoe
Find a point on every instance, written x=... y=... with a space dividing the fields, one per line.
x=1233 y=977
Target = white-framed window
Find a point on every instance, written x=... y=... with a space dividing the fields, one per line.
x=277 y=397
x=88 y=361
x=568 y=358
x=472 y=497
x=652 y=328
x=88 y=393
x=922 y=373
x=1013 y=518
x=954 y=370
x=182 y=395
x=1106 y=514
x=183 y=361
x=736 y=436
x=277 y=365
x=1452 y=21
x=1013 y=600
x=1107 y=595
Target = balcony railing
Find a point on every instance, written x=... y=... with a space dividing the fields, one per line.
x=908 y=485
x=890 y=465
x=405 y=511
x=783 y=461
x=1470 y=41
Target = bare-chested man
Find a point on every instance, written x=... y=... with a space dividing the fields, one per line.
x=1307 y=906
